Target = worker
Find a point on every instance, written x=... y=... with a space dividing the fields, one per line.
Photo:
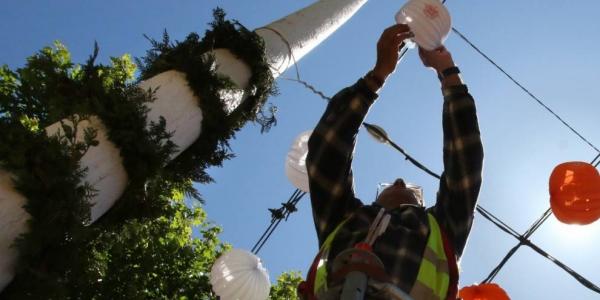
x=420 y=248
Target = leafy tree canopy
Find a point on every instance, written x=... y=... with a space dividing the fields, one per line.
x=134 y=252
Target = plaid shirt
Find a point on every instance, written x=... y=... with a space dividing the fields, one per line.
x=332 y=194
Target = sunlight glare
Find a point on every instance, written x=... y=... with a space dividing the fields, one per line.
x=574 y=235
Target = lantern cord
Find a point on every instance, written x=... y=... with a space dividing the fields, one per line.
x=406 y=155
x=512 y=232
x=488 y=215
x=266 y=238
x=571 y=272
x=274 y=218
x=288 y=211
x=277 y=215
x=596 y=160
x=403 y=52
x=504 y=260
x=538 y=100
x=523 y=239
x=538 y=223
x=293 y=59
x=515 y=234
x=308 y=86
x=284 y=212
x=535 y=226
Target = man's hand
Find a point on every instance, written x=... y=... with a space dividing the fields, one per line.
x=440 y=59
x=387 y=49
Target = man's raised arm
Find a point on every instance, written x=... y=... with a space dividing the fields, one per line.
x=463 y=151
x=331 y=145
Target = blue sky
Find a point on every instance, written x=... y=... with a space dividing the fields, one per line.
x=550 y=46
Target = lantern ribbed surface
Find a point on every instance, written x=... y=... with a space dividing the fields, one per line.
x=295 y=163
x=575 y=193
x=484 y=291
x=240 y=275
x=429 y=20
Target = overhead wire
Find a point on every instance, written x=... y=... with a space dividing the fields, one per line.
x=548 y=212
x=535 y=226
x=526 y=90
x=538 y=223
x=277 y=215
x=514 y=249
x=292 y=58
x=522 y=87
x=596 y=160
x=523 y=239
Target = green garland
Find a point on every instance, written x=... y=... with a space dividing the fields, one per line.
x=145 y=151
x=190 y=57
x=47 y=173
x=50 y=88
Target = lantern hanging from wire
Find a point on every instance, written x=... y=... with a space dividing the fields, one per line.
x=575 y=193
x=485 y=291
x=295 y=163
x=239 y=274
x=429 y=20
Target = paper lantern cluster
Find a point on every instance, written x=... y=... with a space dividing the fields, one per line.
x=239 y=274
x=295 y=163
x=575 y=193
x=486 y=291
x=429 y=20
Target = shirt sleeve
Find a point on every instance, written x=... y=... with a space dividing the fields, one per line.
x=329 y=159
x=463 y=165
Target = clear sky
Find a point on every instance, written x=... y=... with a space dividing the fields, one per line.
x=550 y=46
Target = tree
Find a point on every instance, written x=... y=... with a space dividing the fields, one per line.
x=144 y=247
x=287 y=284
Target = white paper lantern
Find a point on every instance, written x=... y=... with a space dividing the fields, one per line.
x=295 y=163
x=240 y=275
x=429 y=20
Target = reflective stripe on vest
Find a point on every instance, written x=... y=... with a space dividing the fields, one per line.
x=433 y=278
x=320 y=285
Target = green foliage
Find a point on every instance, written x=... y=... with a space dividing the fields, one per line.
x=51 y=89
x=47 y=172
x=142 y=248
x=192 y=57
x=287 y=284
x=154 y=259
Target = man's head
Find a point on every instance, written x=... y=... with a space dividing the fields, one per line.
x=397 y=194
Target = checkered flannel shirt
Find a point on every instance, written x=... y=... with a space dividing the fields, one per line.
x=332 y=194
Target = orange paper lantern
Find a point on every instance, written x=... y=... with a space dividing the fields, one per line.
x=575 y=193
x=486 y=291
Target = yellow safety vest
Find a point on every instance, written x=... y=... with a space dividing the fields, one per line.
x=432 y=280
x=320 y=285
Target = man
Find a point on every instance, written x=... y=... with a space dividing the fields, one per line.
x=420 y=247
